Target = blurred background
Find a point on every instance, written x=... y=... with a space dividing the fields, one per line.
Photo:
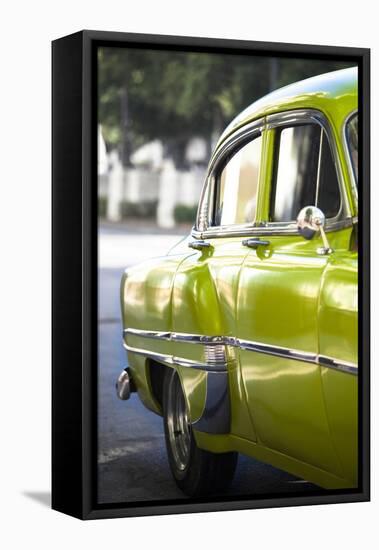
x=160 y=114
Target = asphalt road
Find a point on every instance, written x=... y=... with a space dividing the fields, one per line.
x=132 y=462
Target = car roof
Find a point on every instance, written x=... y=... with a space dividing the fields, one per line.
x=334 y=93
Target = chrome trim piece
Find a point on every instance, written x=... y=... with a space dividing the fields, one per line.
x=277 y=351
x=248 y=345
x=255 y=243
x=237 y=138
x=177 y=361
x=339 y=365
x=353 y=179
x=176 y=336
x=199 y=244
x=148 y=333
x=123 y=386
x=273 y=229
x=293 y=117
x=215 y=417
x=215 y=354
x=310 y=221
x=248 y=130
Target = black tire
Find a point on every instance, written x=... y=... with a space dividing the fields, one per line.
x=196 y=472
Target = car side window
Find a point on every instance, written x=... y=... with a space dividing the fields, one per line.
x=304 y=173
x=237 y=186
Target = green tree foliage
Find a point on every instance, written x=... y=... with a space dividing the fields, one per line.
x=147 y=94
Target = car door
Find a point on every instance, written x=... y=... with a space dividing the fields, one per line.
x=279 y=292
x=338 y=333
x=206 y=283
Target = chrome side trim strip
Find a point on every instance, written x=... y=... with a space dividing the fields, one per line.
x=148 y=333
x=343 y=366
x=177 y=361
x=248 y=345
x=278 y=351
x=177 y=336
x=303 y=356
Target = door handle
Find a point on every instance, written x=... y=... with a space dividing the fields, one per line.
x=199 y=244
x=255 y=243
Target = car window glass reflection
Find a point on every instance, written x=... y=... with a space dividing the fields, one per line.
x=296 y=171
x=328 y=197
x=238 y=184
x=304 y=173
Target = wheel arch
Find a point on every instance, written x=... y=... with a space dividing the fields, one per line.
x=156 y=374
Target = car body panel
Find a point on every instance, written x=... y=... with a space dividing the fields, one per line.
x=338 y=337
x=227 y=443
x=277 y=303
x=146 y=291
x=204 y=302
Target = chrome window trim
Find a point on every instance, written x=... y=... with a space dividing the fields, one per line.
x=253 y=129
x=274 y=229
x=247 y=345
x=284 y=118
x=353 y=179
x=249 y=130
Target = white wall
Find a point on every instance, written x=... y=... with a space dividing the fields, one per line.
x=164 y=184
x=27 y=28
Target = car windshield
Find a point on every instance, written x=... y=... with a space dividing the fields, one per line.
x=352 y=141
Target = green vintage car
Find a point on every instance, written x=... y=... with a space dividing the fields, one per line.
x=244 y=337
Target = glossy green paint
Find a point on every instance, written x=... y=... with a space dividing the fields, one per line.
x=296 y=415
x=278 y=303
x=204 y=302
x=338 y=315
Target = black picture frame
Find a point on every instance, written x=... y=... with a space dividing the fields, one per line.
x=74 y=271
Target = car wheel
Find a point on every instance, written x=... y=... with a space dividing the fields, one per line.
x=196 y=472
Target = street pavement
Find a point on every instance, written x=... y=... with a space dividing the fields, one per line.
x=132 y=462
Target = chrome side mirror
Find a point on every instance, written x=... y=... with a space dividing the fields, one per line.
x=311 y=220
